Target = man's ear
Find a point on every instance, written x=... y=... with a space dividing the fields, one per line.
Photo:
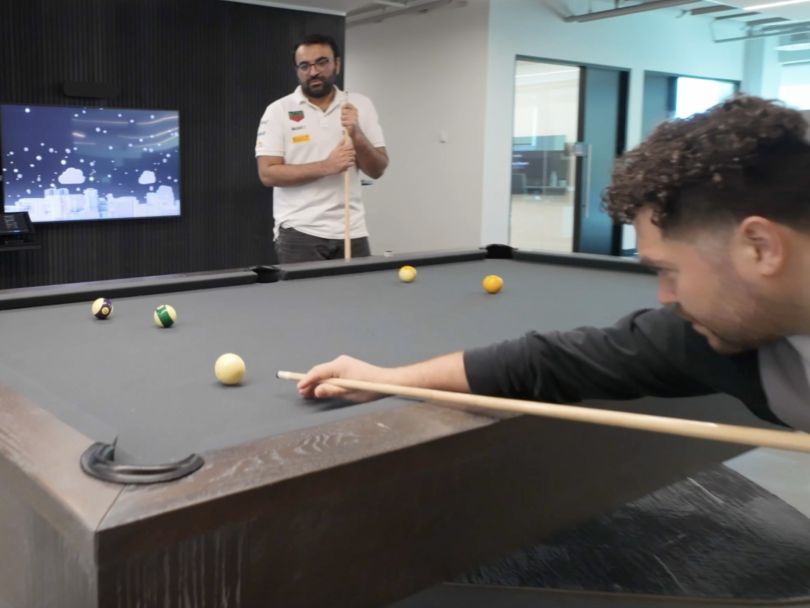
x=337 y=65
x=760 y=246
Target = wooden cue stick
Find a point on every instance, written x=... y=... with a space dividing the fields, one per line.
x=728 y=433
x=347 y=239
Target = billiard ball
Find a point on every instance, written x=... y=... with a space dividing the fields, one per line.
x=164 y=316
x=102 y=308
x=407 y=274
x=492 y=283
x=229 y=369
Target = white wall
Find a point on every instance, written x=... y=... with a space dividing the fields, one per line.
x=426 y=74
x=794 y=85
x=452 y=70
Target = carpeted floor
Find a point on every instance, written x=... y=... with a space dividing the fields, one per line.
x=714 y=535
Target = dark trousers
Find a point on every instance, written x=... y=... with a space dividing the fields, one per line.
x=293 y=246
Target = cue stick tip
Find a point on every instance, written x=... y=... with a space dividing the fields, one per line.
x=282 y=375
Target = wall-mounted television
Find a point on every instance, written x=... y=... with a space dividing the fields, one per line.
x=67 y=163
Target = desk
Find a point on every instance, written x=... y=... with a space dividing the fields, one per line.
x=298 y=504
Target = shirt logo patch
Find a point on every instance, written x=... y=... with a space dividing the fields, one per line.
x=296 y=115
x=299 y=139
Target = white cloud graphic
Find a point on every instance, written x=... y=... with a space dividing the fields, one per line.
x=147 y=177
x=71 y=176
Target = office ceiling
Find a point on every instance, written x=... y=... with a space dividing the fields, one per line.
x=334 y=7
x=731 y=20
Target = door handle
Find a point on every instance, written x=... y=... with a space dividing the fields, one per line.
x=585 y=205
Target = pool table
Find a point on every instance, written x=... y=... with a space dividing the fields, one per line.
x=300 y=503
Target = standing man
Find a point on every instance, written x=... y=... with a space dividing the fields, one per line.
x=302 y=150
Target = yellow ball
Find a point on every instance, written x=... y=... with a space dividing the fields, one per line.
x=407 y=274
x=229 y=369
x=492 y=283
x=164 y=316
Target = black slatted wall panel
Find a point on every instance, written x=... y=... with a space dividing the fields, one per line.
x=219 y=63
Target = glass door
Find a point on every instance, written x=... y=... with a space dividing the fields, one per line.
x=546 y=116
x=602 y=140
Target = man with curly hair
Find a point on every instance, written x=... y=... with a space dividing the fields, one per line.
x=721 y=206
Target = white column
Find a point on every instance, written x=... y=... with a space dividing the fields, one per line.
x=761 y=67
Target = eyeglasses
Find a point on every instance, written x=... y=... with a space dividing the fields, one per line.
x=318 y=64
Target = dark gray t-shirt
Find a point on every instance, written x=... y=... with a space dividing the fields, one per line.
x=648 y=353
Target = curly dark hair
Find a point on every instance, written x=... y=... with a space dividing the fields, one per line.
x=745 y=156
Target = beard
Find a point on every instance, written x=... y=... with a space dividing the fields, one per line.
x=740 y=317
x=735 y=331
x=725 y=345
x=323 y=86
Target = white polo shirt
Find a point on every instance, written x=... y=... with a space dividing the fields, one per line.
x=301 y=132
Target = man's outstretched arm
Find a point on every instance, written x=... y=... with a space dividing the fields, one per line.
x=444 y=373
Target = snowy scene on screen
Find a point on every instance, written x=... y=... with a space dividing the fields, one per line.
x=68 y=163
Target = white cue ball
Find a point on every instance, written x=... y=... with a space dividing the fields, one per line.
x=229 y=369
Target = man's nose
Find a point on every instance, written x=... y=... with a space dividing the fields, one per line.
x=666 y=292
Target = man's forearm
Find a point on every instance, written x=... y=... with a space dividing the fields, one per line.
x=292 y=175
x=370 y=160
x=441 y=373
x=444 y=373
